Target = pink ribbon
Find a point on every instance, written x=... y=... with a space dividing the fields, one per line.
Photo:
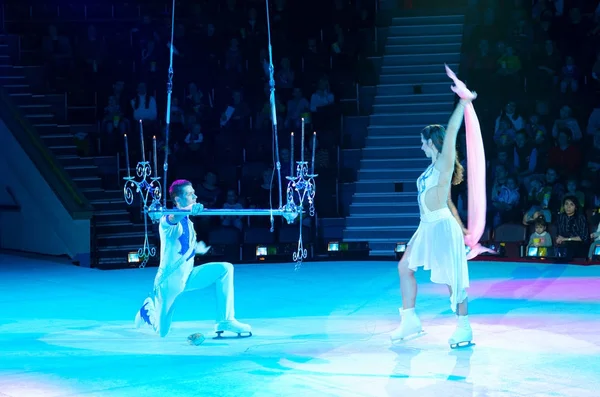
x=475 y=170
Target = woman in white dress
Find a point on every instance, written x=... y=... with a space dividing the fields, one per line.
x=438 y=244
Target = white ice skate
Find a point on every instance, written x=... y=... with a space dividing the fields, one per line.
x=146 y=315
x=463 y=335
x=410 y=327
x=242 y=330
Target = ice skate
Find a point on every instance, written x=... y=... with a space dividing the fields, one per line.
x=463 y=335
x=410 y=327
x=146 y=315
x=242 y=330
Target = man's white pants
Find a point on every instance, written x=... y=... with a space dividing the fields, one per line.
x=219 y=274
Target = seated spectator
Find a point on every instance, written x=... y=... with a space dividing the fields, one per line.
x=566 y=121
x=595 y=237
x=540 y=238
x=557 y=190
x=232 y=202
x=565 y=157
x=569 y=76
x=512 y=116
x=573 y=192
x=505 y=201
x=537 y=202
x=297 y=108
x=572 y=228
x=524 y=156
x=144 y=105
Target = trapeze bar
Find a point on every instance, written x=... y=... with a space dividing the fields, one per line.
x=222 y=212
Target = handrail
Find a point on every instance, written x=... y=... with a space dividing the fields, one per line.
x=63 y=186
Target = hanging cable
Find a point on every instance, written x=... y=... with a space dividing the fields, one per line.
x=273 y=122
x=168 y=113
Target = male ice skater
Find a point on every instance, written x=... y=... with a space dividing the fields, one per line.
x=176 y=273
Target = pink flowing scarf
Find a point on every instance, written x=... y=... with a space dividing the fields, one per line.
x=475 y=171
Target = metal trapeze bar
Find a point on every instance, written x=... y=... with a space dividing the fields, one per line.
x=221 y=212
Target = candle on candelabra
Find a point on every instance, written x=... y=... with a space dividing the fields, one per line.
x=127 y=154
x=142 y=140
x=312 y=164
x=302 y=142
x=156 y=158
x=292 y=155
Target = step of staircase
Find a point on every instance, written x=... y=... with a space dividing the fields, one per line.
x=382 y=246
x=416 y=69
x=385 y=185
x=12 y=70
x=88 y=182
x=81 y=171
x=395 y=140
x=390 y=152
x=390 y=173
x=121 y=238
x=64 y=150
x=383 y=220
x=70 y=161
x=119 y=226
x=17 y=88
x=377 y=133
x=115 y=257
x=104 y=217
x=380 y=209
x=101 y=194
x=107 y=205
x=418 y=107
x=395 y=163
x=58 y=139
x=386 y=119
x=395 y=99
x=424 y=40
x=415 y=89
x=422 y=49
x=425 y=30
x=37 y=108
x=40 y=118
x=421 y=59
x=413 y=78
x=371 y=198
x=429 y=20
x=398 y=233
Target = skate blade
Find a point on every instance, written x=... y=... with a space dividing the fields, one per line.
x=196 y=339
x=461 y=345
x=239 y=335
x=409 y=337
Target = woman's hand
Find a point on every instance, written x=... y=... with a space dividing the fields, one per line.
x=459 y=87
x=593 y=236
x=560 y=240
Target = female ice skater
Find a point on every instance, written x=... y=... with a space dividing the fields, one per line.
x=177 y=274
x=439 y=242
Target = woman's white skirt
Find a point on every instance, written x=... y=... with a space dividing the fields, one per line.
x=438 y=245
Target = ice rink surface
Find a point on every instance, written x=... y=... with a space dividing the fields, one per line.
x=321 y=331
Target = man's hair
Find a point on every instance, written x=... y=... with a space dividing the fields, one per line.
x=176 y=189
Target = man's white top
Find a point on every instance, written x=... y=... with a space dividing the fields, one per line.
x=177 y=249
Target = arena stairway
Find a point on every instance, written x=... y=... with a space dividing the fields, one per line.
x=115 y=234
x=413 y=91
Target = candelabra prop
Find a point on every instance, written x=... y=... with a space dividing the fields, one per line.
x=147 y=187
x=301 y=190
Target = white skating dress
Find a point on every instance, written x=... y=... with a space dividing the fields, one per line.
x=438 y=244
